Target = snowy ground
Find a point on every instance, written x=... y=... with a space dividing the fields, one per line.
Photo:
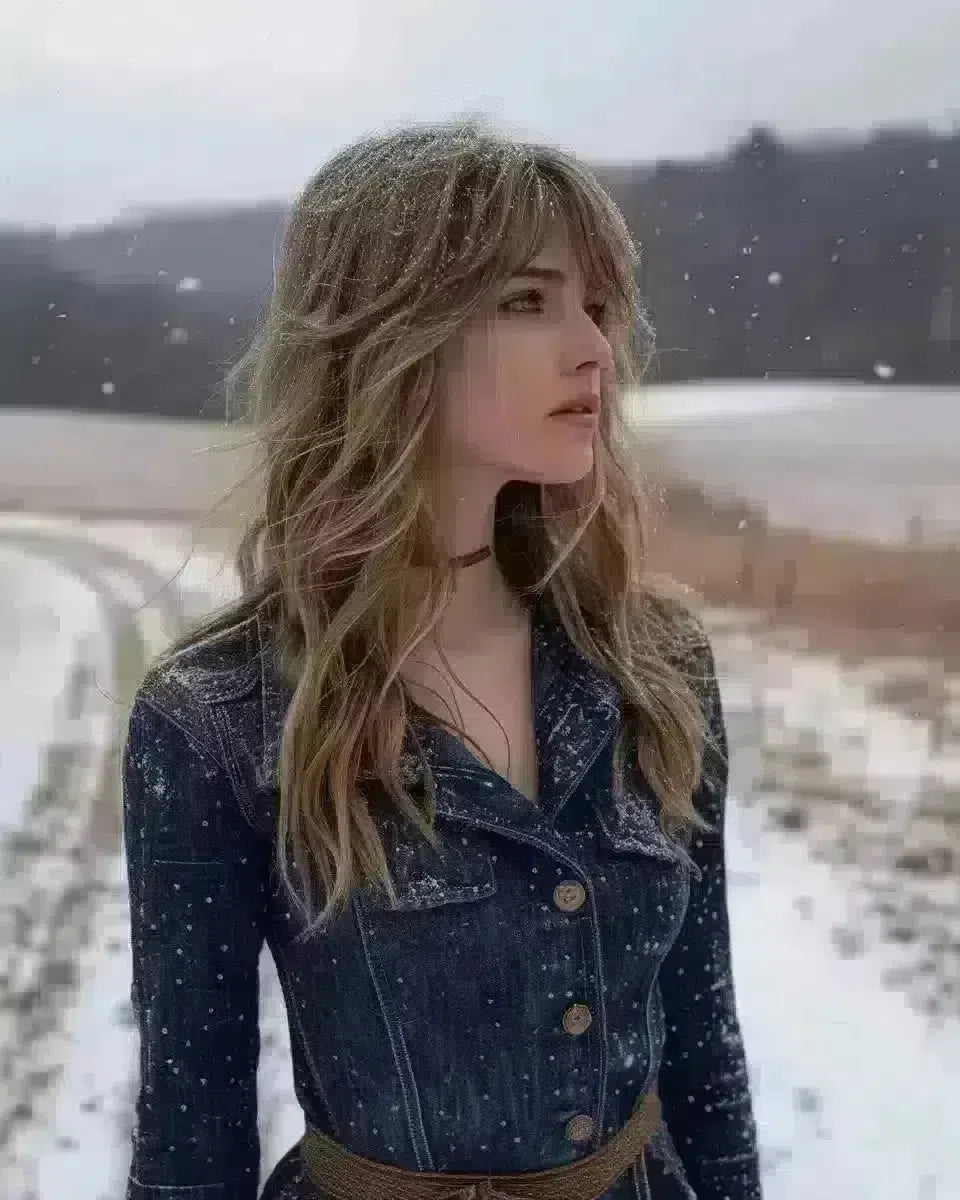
x=846 y=923
x=845 y=907
x=67 y=1043
x=49 y=616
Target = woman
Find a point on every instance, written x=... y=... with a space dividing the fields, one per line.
x=450 y=756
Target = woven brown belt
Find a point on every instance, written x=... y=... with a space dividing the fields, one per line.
x=339 y=1174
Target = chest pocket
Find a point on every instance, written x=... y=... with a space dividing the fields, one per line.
x=645 y=878
x=424 y=877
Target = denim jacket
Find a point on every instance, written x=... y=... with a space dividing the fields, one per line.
x=539 y=972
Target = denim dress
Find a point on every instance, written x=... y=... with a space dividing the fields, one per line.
x=541 y=969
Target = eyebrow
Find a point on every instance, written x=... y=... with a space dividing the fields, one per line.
x=553 y=275
x=541 y=273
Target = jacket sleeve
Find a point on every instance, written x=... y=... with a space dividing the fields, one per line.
x=704 y=1083
x=196 y=876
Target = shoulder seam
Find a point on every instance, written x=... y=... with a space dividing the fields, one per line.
x=220 y=761
x=150 y=701
x=215 y=684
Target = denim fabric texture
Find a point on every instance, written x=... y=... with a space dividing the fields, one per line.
x=548 y=963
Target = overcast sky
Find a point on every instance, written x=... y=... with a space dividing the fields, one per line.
x=108 y=105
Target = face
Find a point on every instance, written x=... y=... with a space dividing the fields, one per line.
x=536 y=348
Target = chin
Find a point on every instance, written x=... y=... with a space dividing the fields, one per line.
x=566 y=468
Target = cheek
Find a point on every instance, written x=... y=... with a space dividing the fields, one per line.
x=493 y=388
x=501 y=385
x=523 y=364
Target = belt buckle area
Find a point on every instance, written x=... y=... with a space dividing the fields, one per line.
x=486 y=1189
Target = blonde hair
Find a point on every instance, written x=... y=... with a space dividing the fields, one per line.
x=388 y=250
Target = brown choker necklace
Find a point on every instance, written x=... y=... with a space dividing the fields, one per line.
x=475 y=556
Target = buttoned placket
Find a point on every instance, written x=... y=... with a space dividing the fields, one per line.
x=576 y=712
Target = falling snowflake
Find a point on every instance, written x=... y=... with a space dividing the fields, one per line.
x=884 y=370
x=775 y=278
x=108 y=388
x=188 y=284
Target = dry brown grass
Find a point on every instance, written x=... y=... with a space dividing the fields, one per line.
x=855 y=598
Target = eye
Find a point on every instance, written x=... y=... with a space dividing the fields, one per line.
x=530 y=296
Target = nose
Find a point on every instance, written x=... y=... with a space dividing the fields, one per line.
x=590 y=347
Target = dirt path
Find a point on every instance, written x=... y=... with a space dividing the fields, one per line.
x=53 y=866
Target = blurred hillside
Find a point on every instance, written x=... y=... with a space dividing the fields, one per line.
x=820 y=260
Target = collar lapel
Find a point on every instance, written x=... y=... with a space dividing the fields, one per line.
x=576 y=712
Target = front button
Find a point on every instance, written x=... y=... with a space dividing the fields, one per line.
x=577 y=1019
x=580 y=1129
x=569 y=895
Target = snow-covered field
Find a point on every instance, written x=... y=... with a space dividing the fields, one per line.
x=844 y=903
x=863 y=460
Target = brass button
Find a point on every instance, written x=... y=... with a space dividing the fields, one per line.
x=577 y=1019
x=569 y=895
x=580 y=1129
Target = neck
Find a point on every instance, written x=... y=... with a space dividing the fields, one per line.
x=482 y=601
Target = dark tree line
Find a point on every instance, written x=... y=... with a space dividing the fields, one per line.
x=829 y=261
x=834 y=260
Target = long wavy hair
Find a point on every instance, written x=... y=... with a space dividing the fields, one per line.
x=388 y=250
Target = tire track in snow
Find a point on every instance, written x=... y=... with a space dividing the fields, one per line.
x=55 y=867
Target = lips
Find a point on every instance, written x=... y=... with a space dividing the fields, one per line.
x=588 y=403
